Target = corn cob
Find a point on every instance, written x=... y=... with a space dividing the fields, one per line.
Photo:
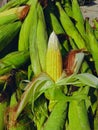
x=53 y=24
x=52 y=21
x=68 y=8
x=34 y=56
x=12 y=3
x=92 y=44
x=53 y=58
x=8 y=32
x=95 y=21
x=78 y=118
x=58 y=29
x=13 y=14
x=13 y=60
x=70 y=28
x=56 y=25
x=78 y=16
x=23 y=43
x=58 y=116
x=41 y=40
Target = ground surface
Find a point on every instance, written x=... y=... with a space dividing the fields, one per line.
x=90 y=10
x=2 y=2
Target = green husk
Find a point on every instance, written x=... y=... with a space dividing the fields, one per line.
x=8 y=33
x=68 y=8
x=92 y=44
x=12 y=3
x=42 y=38
x=35 y=62
x=70 y=28
x=57 y=117
x=13 y=60
x=13 y=14
x=23 y=43
x=78 y=118
x=78 y=17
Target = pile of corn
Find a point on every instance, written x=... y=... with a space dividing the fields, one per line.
x=48 y=66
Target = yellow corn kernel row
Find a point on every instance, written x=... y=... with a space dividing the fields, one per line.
x=53 y=58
